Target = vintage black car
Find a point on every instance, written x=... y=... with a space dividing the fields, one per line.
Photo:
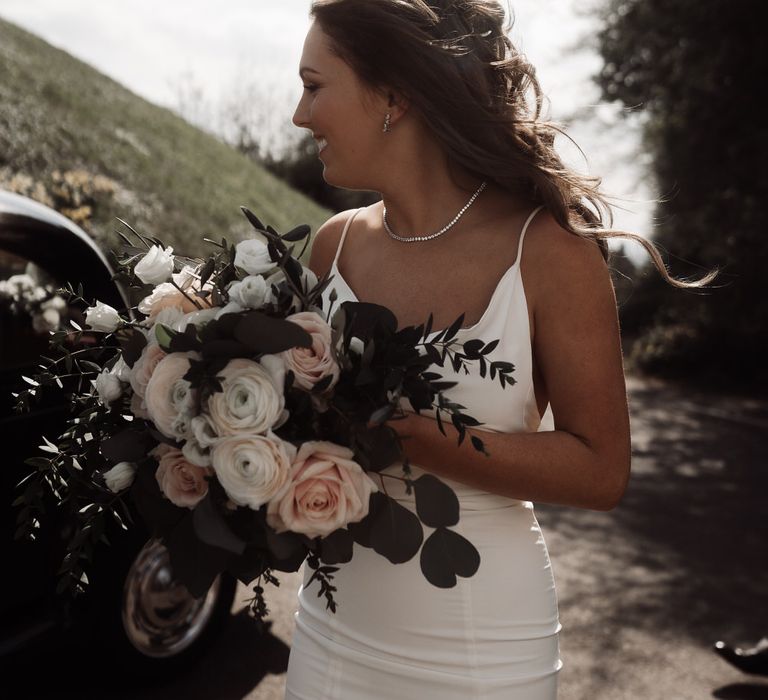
x=134 y=611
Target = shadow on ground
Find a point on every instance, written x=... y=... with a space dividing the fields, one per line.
x=229 y=671
x=684 y=553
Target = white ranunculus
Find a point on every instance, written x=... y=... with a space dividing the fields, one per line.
x=156 y=266
x=249 y=402
x=120 y=477
x=252 y=468
x=252 y=256
x=108 y=387
x=102 y=317
x=249 y=292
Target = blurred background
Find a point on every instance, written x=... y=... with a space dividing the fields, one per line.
x=171 y=116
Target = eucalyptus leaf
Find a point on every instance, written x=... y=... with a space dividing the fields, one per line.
x=436 y=502
x=337 y=547
x=396 y=532
x=446 y=555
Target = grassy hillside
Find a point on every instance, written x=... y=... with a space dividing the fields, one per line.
x=170 y=179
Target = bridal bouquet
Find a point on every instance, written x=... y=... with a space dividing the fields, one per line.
x=245 y=423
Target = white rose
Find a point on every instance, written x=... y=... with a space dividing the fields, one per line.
x=252 y=256
x=156 y=266
x=102 y=317
x=108 y=387
x=121 y=370
x=249 y=292
x=252 y=468
x=249 y=401
x=308 y=279
x=120 y=476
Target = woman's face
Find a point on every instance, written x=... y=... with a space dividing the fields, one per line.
x=332 y=107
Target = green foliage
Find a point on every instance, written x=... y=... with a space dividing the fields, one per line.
x=172 y=179
x=694 y=70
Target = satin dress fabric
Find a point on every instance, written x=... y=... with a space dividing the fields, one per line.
x=494 y=635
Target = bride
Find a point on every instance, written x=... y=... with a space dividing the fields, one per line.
x=427 y=103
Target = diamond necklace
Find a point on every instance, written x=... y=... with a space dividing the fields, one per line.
x=411 y=239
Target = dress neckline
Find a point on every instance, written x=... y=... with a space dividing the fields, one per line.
x=497 y=289
x=474 y=326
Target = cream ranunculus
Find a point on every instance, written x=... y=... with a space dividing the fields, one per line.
x=250 y=401
x=169 y=397
x=252 y=468
x=142 y=370
x=181 y=482
x=102 y=317
x=327 y=490
x=310 y=365
x=252 y=255
x=156 y=266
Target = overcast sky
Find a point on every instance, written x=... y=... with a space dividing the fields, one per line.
x=156 y=48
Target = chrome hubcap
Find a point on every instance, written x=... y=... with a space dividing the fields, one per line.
x=160 y=617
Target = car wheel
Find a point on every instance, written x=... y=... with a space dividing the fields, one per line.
x=143 y=622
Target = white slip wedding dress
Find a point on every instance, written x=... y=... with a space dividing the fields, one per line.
x=494 y=636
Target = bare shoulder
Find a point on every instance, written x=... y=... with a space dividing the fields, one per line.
x=558 y=266
x=326 y=241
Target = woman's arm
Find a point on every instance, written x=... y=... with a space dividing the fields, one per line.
x=585 y=461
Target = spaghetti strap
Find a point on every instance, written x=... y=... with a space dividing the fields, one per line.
x=343 y=236
x=522 y=234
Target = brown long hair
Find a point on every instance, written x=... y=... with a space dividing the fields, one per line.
x=456 y=65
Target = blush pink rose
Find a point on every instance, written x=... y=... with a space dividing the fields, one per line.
x=166 y=295
x=181 y=482
x=310 y=365
x=326 y=490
